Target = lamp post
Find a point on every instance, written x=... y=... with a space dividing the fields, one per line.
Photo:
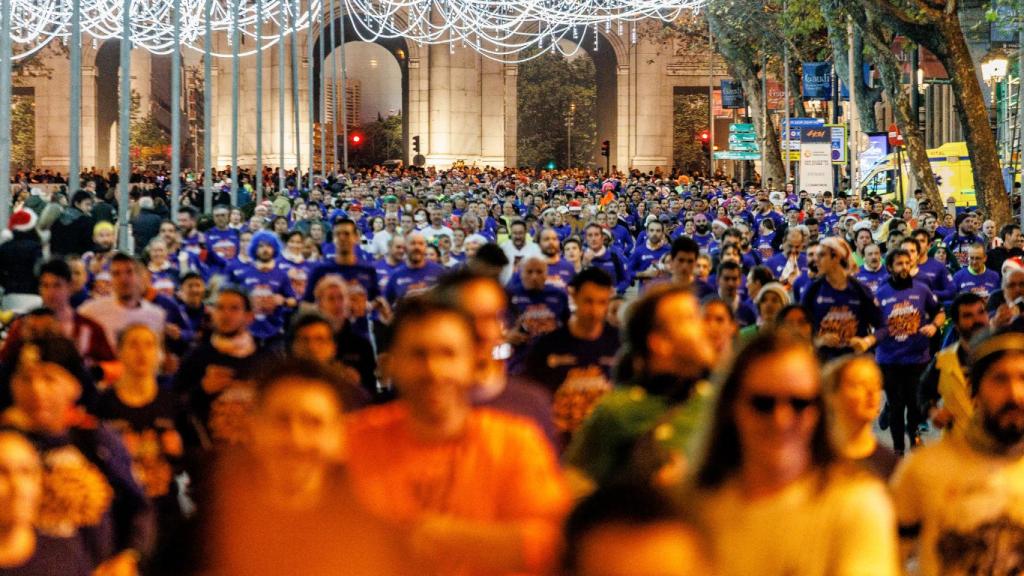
x=568 y=124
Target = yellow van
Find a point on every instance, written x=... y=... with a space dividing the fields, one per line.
x=950 y=163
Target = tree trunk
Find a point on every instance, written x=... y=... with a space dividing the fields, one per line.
x=752 y=91
x=866 y=96
x=891 y=73
x=950 y=47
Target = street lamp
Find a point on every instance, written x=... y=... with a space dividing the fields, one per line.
x=993 y=71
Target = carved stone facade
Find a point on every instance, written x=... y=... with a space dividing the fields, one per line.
x=461 y=105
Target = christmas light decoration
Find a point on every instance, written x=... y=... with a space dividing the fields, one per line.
x=506 y=30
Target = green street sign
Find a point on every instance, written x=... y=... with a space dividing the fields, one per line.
x=735 y=155
x=741 y=128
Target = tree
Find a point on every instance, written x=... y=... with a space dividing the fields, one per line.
x=935 y=24
x=880 y=40
x=741 y=45
x=547 y=87
x=23 y=133
x=148 y=139
x=691 y=116
x=383 y=139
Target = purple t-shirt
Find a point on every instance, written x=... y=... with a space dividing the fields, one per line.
x=408 y=281
x=904 y=312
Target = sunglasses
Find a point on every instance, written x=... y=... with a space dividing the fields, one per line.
x=766 y=404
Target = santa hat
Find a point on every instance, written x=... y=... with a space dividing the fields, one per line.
x=22 y=221
x=723 y=221
x=1012 y=264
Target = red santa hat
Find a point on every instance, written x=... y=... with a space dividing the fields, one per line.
x=22 y=221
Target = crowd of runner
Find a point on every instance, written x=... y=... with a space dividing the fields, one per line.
x=469 y=372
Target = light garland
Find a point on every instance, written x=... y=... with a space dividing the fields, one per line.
x=505 y=30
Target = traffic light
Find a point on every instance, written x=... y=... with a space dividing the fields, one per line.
x=355 y=139
x=606 y=148
x=705 y=140
x=416 y=144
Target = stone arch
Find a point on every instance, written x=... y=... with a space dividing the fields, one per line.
x=402 y=51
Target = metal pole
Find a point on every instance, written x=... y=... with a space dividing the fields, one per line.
x=711 y=102
x=295 y=96
x=280 y=108
x=323 y=99
x=75 y=140
x=334 y=92
x=1020 y=113
x=208 y=113
x=234 y=102
x=785 y=90
x=854 y=119
x=344 y=92
x=175 y=112
x=764 y=119
x=124 y=126
x=5 y=112
x=259 y=101
x=309 y=87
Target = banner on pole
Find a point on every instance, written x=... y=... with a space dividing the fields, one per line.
x=816 y=160
x=776 y=95
x=838 y=133
x=732 y=95
x=817 y=80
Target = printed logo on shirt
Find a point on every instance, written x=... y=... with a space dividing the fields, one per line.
x=904 y=321
x=839 y=321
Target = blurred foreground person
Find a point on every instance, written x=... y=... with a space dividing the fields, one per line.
x=284 y=504
x=960 y=501
x=24 y=550
x=480 y=490
x=89 y=490
x=853 y=394
x=645 y=430
x=484 y=300
x=632 y=530
x=771 y=491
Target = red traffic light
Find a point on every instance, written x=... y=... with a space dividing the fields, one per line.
x=705 y=136
x=356 y=138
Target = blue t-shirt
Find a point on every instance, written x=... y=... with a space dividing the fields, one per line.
x=778 y=262
x=535 y=313
x=614 y=264
x=937 y=278
x=384 y=271
x=846 y=313
x=959 y=243
x=872 y=279
x=362 y=274
x=904 y=312
x=643 y=257
x=983 y=284
x=560 y=274
x=224 y=242
x=411 y=281
x=763 y=245
x=268 y=317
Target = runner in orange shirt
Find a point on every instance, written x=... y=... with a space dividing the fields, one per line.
x=480 y=490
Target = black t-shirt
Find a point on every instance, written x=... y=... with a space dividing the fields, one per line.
x=53 y=557
x=882 y=462
x=150 y=435
x=577 y=372
x=219 y=416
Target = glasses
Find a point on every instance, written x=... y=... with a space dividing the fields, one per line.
x=766 y=404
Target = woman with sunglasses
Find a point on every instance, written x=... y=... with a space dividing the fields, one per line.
x=772 y=493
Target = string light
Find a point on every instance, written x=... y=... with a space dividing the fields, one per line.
x=506 y=30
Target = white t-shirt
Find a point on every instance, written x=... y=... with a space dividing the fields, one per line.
x=516 y=256
x=113 y=317
x=969 y=506
x=845 y=528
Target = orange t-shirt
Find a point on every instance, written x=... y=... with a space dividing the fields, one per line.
x=500 y=470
